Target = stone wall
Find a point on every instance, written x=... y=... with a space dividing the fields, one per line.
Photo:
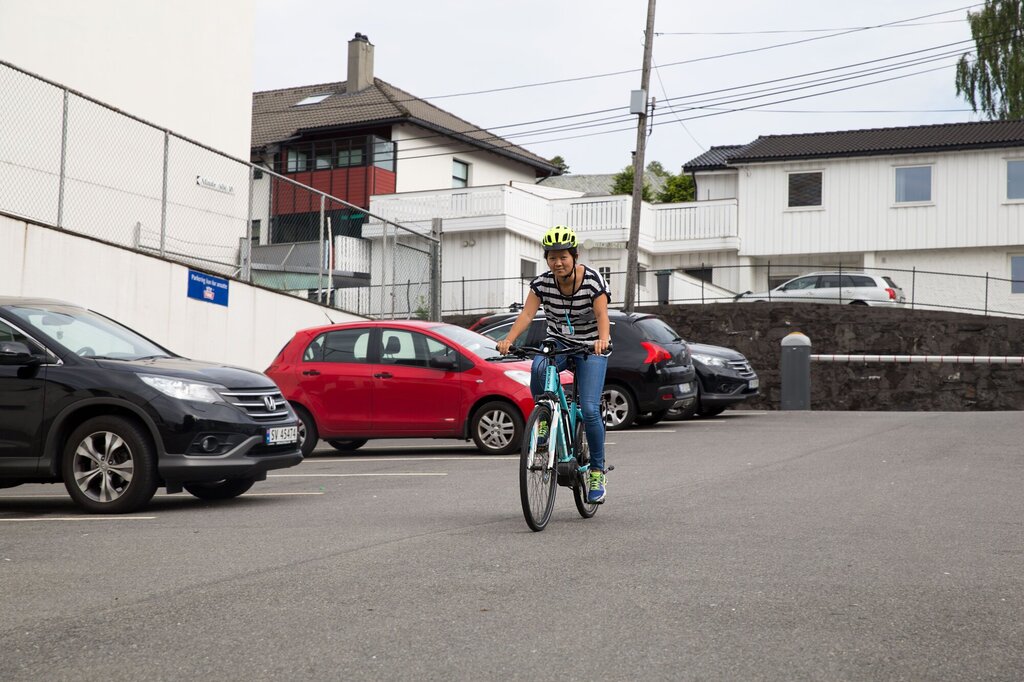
x=756 y=330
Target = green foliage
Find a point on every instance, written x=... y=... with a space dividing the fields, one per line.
x=655 y=168
x=994 y=81
x=622 y=183
x=560 y=162
x=677 y=188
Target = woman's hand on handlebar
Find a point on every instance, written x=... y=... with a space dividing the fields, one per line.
x=602 y=346
x=503 y=346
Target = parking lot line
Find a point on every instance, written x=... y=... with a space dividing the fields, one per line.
x=81 y=518
x=408 y=459
x=346 y=475
x=650 y=431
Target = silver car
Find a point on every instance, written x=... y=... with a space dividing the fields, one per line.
x=856 y=288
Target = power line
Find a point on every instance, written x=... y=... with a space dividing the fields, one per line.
x=627 y=71
x=807 y=30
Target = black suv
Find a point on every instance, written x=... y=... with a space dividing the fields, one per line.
x=89 y=402
x=724 y=378
x=649 y=370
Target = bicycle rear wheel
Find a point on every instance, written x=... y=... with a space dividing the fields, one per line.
x=537 y=481
x=581 y=484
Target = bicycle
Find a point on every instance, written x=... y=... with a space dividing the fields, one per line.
x=566 y=459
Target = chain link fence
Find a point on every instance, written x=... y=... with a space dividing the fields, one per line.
x=73 y=163
x=981 y=294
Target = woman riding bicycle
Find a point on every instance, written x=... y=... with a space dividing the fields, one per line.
x=575 y=299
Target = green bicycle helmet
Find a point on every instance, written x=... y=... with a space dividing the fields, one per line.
x=559 y=238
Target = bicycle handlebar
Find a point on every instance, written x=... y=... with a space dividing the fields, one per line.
x=556 y=346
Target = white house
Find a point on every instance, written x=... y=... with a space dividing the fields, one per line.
x=913 y=202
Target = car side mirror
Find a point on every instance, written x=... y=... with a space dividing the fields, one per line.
x=444 y=362
x=14 y=353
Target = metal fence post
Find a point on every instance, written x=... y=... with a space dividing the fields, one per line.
x=436 y=282
x=796 y=372
x=320 y=267
x=163 y=200
x=63 y=162
x=702 y=283
x=247 y=263
x=768 y=277
x=986 y=294
x=463 y=295
x=913 y=285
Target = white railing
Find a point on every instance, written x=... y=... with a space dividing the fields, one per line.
x=698 y=220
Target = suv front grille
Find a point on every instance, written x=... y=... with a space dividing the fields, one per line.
x=262 y=404
x=742 y=367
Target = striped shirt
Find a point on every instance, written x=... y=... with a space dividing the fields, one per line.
x=572 y=316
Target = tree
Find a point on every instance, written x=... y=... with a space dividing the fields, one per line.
x=677 y=188
x=560 y=162
x=622 y=183
x=994 y=80
x=655 y=168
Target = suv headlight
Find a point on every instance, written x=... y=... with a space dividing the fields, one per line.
x=518 y=375
x=183 y=389
x=712 y=360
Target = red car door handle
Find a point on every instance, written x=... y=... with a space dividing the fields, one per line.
x=383 y=375
x=312 y=372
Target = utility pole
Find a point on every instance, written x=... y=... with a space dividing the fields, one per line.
x=633 y=244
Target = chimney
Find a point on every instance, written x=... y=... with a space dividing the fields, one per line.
x=360 y=63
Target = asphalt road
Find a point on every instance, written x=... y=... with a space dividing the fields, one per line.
x=776 y=546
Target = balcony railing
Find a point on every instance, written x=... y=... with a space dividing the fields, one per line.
x=658 y=222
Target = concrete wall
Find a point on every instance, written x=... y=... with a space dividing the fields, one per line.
x=149 y=295
x=183 y=65
x=757 y=330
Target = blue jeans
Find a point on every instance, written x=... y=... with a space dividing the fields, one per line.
x=590 y=371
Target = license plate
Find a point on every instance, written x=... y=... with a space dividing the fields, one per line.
x=282 y=435
x=753 y=383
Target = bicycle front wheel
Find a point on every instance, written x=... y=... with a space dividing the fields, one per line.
x=537 y=480
x=581 y=484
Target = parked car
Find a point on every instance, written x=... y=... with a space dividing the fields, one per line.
x=87 y=401
x=854 y=288
x=357 y=381
x=649 y=370
x=724 y=378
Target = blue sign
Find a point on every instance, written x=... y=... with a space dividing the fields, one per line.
x=203 y=287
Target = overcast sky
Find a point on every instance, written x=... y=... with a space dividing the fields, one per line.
x=433 y=48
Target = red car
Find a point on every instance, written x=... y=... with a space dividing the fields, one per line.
x=355 y=381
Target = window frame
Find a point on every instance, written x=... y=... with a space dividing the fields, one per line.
x=1007 y=199
x=1016 y=287
x=820 y=206
x=930 y=201
x=456 y=179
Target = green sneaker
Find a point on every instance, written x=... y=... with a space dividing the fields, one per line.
x=542 y=434
x=597 y=487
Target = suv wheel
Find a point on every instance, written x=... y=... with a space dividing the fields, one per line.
x=220 y=490
x=497 y=428
x=109 y=466
x=619 y=407
x=308 y=434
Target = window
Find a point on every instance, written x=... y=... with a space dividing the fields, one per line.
x=606 y=274
x=1015 y=180
x=312 y=99
x=8 y=333
x=257 y=229
x=641 y=275
x=323 y=154
x=801 y=283
x=296 y=160
x=350 y=156
x=1017 y=274
x=858 y=281
x=344 y=345
x=913 y=184
x=527 y=269
x=384 y=154
x=829 y=282
x=804 y=189
x=460 y=173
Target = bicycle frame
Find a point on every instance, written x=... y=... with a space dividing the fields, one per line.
x=565 y=415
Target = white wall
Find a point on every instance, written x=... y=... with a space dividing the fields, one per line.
x=149 y=295
x=433 y=167
x=713 y=185
x=184 y=65
x=969 y=206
